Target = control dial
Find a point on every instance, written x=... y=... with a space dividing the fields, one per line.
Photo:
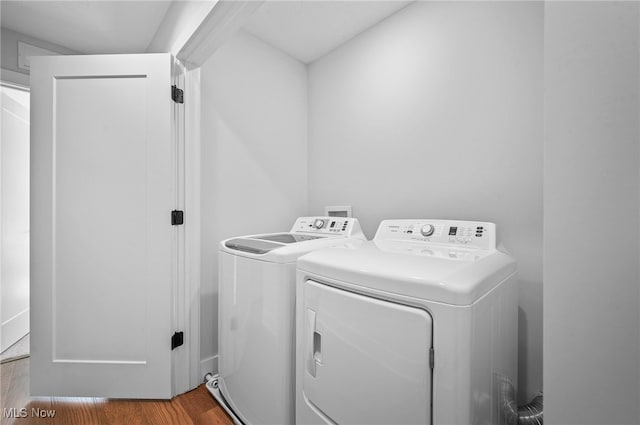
x=427 y=230
x=318 y=223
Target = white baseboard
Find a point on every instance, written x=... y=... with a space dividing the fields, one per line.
x=209 y=365
x=16 y=327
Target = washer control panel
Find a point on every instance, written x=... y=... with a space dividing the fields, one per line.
x=324 y=225
x=470 y=234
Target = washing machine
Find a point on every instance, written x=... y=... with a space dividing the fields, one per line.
x=256 y=322
x=417 y=326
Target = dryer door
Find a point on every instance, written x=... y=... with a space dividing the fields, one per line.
x=366 y=360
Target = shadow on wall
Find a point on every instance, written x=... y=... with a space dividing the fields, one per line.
x=209 y=332
x=522 y=354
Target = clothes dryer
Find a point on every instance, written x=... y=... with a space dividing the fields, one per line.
x=418 y=326
x=257 y=313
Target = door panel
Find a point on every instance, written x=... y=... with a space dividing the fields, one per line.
x=366 y=360
x=90 y=180
x=103 y=248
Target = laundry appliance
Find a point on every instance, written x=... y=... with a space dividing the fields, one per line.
x=418 y=326
x=256 y=321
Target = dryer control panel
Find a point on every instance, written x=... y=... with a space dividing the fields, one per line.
x=343 y=226
x=469 y=234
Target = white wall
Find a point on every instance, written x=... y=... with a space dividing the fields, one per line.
x=592 y=213
x=437 y=112
x=254 y=154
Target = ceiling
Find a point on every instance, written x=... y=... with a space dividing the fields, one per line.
x=90 y=27
x=310 y=29
x=304 y=29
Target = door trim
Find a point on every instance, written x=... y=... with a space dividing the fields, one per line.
x=186 y=361
x=192 y=259
x=220 y=24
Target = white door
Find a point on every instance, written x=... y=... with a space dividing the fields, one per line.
x=367 y=361
x=14 y=216
x=103 y=256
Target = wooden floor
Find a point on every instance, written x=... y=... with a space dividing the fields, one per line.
x=196 y=407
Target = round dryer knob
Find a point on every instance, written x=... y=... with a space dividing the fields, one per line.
x=427 y=230
x=318 y=223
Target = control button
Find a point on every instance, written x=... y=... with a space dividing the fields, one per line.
x=318 y=223
x=427 y=230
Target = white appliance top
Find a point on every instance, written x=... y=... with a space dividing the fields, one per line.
x=307 y=234
x=450 y=261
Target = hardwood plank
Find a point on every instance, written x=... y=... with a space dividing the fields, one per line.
x=35 y=407
x=123 y=412
x=196 y=407
x=215 y=416
x=76 y=410
x=163 y=412
x=197 y=402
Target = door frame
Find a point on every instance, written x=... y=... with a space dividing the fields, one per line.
x=192 y=256
x=186 y=363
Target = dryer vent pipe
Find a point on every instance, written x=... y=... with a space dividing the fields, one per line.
x=528 y=414
x=531 y=413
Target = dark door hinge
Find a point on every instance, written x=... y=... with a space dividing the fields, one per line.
x=432 y=359
x=177 y=340
x=177 y=217
x=177 y=94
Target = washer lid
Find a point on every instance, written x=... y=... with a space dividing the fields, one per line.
x=287 y=237
x=261 y=244
x=253 y=246
x=450 y=275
